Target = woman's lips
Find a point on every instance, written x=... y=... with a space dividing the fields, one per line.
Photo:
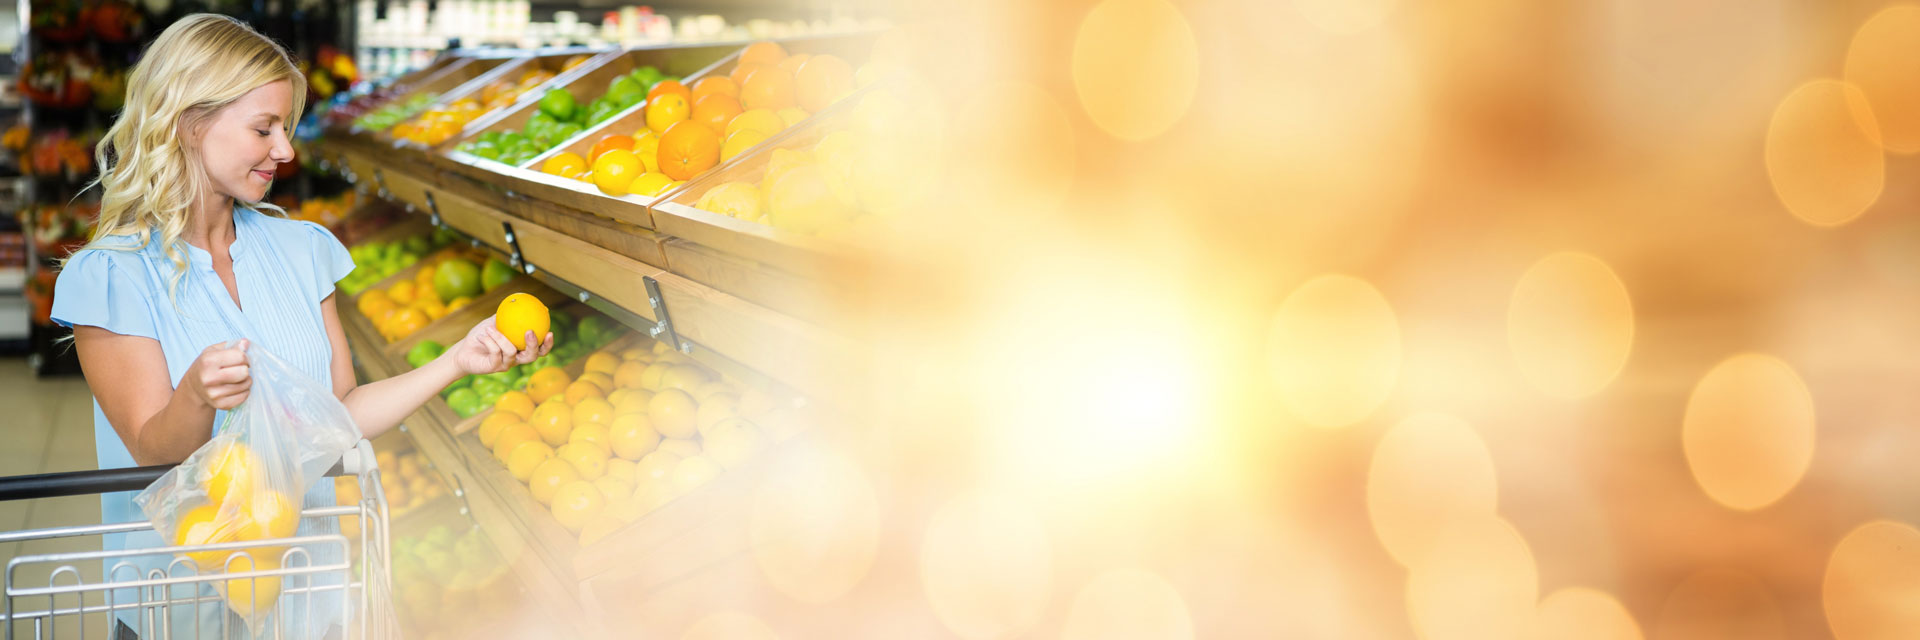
x=264 y=175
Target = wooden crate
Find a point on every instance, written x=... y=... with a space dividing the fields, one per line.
x=553 y=60
x=453 y=81
x=590 y=81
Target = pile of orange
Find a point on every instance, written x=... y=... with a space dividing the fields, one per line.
x=691 y=130
x=441 y=124
x=625 y=437
x=410 y=305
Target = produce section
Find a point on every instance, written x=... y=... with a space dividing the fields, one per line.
x=661 y=389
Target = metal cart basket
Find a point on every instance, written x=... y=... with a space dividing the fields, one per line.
x=57 y=608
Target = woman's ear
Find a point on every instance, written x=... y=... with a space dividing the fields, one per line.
x=192 y=127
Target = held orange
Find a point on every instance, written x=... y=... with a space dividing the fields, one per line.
x=520 y=313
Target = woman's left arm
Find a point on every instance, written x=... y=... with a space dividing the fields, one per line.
x=378 y=406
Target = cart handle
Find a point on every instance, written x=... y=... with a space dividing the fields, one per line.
x=79 y=483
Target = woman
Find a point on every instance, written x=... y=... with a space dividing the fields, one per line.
x=186 y=272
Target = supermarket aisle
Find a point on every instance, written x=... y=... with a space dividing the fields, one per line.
x=48 y=427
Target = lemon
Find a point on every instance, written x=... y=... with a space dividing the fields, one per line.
x=694 y=472
x=793 y=115
x=588 y=459
x=673 y=414
x=576 y=503
x=233 y=470
x=518 y=314
x=740 y=141
x=650 y=183
x=763 y=120
x=249 y=595
x=203 y=525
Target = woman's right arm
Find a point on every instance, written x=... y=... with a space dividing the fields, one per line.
x=159 y=424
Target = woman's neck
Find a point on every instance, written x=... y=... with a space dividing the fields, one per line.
x=212 y=222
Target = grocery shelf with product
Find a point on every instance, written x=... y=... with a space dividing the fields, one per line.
x=684 y=367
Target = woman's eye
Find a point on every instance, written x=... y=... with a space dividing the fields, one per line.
x=263 y=132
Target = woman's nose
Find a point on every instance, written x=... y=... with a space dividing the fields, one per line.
x=282 y=149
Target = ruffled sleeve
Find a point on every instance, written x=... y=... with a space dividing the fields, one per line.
x=94 y=289
x=331 y=262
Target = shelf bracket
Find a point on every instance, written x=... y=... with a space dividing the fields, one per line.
x=433 y=211
x=663 y=324
x=515 y=259
x=380 y=181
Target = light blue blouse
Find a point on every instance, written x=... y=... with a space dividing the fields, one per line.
x=284 y=269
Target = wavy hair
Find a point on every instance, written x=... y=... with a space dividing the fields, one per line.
x=149 y=177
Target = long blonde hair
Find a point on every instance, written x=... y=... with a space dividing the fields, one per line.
x=149 y=178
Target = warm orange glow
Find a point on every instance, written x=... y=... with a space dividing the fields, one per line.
x=987 y=567
x=1720 y=604
x=1128 y=604
x=815 y=526
x=1749 y=431
x=1153 y=89
x=1881 y=62
x=1871 y=583
x=1428 y=471
x=1477 y=580
x=1570 y=324
x=1823 y=153
x=1579 y=613
x=1334 y=350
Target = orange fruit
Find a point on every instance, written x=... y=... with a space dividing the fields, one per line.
x=552 y=421
x=602 y=362
x=669 y=87
x=667 y=110
x=672 y=413
x=592 y=410
x=546 y=383
x=635 y=401
x=763 y=120
x=598 y=379
x=575 y=503
x=588 y=459
x=650 y=378
x=373 y=302
x=519 y=314
x=631 y=436
x=581 y=390
x=763 y=53
x=620 y=469
x=822 y=81
x=615 y=170
x=740 y=73
x=617 y=396
x=632 y=354
x=406 y=321
x=716 y=111
x=511 y=437
x=693 y=472
x=491 y=426
x=655 y=468
x=768 y=89
x=802 y=201
x=687 y=149
x=548 y=478
x=626 y=376
x=523 y=458
x=590 y=433
x=515 y=402
x=793 y=62
x=716 y=85
x=684 y=377
x=607 y=143
x=565 y=164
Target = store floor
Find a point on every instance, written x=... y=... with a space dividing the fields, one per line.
x=47 y=427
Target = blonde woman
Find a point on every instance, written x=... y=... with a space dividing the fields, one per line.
x=187 y=270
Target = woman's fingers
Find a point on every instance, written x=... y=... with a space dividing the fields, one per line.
x=547 y=344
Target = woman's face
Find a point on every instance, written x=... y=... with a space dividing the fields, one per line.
x=243 y=143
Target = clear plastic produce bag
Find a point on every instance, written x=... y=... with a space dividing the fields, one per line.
x=248 y=482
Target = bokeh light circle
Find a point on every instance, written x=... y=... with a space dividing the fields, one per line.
x=1580 y=613
x=1872 y=586
x=1429 y=470
x=1136 y=65
x=1883 y=63
x=1334 y=350
x=1823 y=153
x=1016 y=141
x=1128 y=604
x=987 y=567
x=1346 y=16
x=1748 y=433
x=1570 y=324
x=1477 y=580
x=815 y=525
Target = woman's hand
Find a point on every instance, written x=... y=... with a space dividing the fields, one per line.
x=219 y=378
x=485 y=350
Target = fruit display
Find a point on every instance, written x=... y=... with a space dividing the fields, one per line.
x=472 y=395
x=450 y=585
x=690 y=130
x=325 y=212
x=441 y=124
x=408 y=481
x=375 y=261
x=631 y=432
x=393 y=113
x=58 y=153
x=859 y=169
x=446 y=282
x=560 y=116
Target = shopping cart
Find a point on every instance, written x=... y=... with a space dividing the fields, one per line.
x=59 y=606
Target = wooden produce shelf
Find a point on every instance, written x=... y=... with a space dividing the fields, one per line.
x=550 y=60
